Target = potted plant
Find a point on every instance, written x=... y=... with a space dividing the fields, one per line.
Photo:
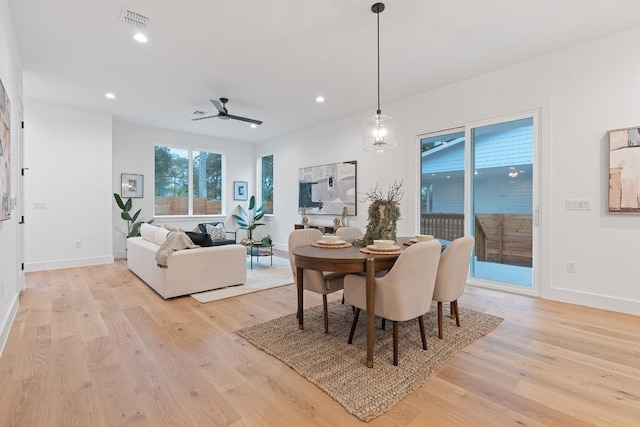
x=249 y=219
x=133 y=227
x=345 y=217
x=384 y=213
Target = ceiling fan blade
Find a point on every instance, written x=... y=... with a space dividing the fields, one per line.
x=218 y=106
x=205 y=117
x=245 y=119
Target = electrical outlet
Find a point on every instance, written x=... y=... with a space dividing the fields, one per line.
x=571 y=266
x=78 y=244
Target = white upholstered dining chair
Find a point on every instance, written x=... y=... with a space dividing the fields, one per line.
x=349 y=233
x=404 y=293
x=452 y=277
x=316 y=281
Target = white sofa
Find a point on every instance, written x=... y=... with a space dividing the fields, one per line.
x=188 y=271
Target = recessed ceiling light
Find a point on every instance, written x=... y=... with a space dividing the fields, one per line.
x=320 y=99
x=110 y=95
x=253 y=125
x=140 y=37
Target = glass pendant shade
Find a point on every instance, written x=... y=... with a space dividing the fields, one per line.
x=379 y=130
x=380 y=133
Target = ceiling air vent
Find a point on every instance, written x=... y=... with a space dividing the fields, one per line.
x=134 y=19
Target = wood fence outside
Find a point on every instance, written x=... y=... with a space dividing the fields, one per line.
x=504 y=238
x=500 y=238
x=445 y=226
x=180 y=206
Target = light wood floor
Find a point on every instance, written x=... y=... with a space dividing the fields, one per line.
x=95 y=346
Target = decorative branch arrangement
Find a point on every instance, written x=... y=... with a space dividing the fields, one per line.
x=384 y=213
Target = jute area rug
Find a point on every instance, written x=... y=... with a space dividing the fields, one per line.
x=262 y=276
x=340 y=369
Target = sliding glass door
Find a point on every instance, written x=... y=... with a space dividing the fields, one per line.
x=502 y=201
x=479 y=180
x=442 y=184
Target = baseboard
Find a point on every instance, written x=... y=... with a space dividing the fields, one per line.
x=120 y=254
x=7 y=322
x=67 y=263
x=589 y=299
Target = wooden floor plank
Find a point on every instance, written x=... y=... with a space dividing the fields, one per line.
x=96 y=346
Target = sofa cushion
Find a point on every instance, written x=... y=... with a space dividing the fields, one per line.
x=200 y=239
x=216 y=231
x=148 y=232
x=160 y=235
x=203 y=226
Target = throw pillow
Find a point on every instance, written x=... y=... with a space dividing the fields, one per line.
x=216 y=231
x=200 y=239
x=160 y=236
x=148 y=232
x=203 y=226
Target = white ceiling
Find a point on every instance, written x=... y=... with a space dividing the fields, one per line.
x=272 y=58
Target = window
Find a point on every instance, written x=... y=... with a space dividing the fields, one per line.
x=187 y=182
x=266 y=167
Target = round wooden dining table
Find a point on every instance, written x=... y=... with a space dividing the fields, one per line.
x=344 y=260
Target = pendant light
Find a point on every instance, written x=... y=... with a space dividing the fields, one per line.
x=379 y=130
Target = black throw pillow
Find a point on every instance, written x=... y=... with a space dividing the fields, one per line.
x=200 y=239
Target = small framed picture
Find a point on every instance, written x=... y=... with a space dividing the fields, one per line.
x=131 y=185
x=240 y=190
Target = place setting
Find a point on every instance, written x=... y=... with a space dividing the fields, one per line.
x=420 y=238
x=382 y=247
x=331 y=241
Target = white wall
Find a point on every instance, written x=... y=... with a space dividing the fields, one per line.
x=68 y=153
x=133 y=152
x=10 y=273
x=582 y=93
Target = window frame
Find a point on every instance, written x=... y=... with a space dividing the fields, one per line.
x=190 y=197
x=261 y=179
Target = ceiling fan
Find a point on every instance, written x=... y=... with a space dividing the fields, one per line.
x=224 y=114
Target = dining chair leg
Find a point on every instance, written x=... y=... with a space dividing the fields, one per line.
x=326 y=313
x=423 y=334
x=384 y=323
x=455 y=309
x=395 y=343
x=451 y=310
x=356 y=313
x=440 y=319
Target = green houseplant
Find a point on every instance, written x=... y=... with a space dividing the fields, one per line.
x=384 y=213
x=133 y=227
x=249 y=219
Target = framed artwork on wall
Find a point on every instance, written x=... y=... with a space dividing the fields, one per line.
x=624 y=170
x=328 y=189
x=5 y=151
x=131 y=185
x=240 y=190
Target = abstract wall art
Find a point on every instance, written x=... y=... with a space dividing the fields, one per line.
x=5 y=151
x=624 y=170
x=328 y=189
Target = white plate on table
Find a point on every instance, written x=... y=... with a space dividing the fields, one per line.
x=337 y=242
x=388 y=249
